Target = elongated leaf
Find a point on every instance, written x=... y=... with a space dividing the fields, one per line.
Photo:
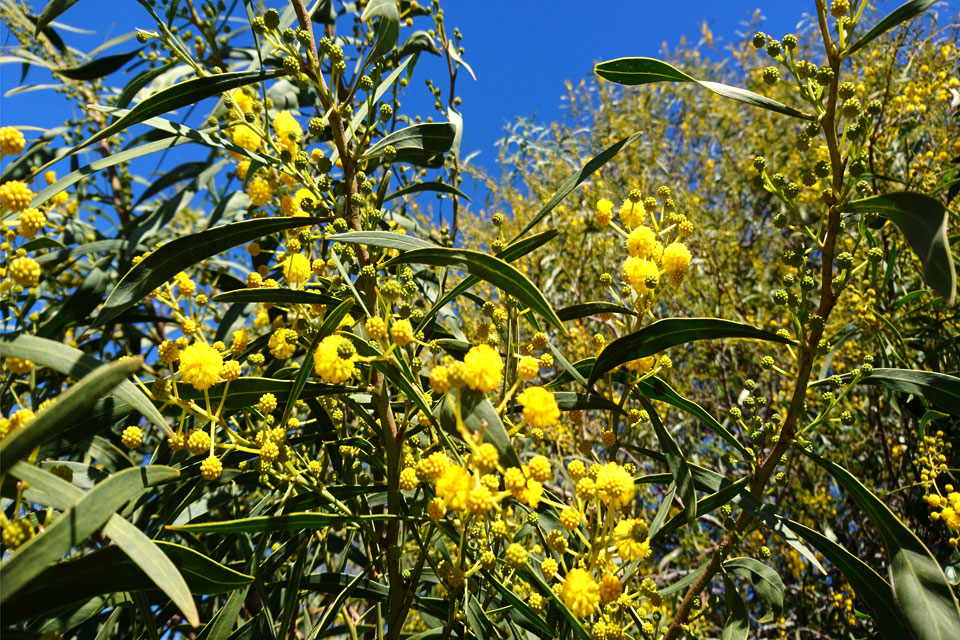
x=922 y=592
x=384 y=239
x=478 y=413
x=486 y=267
x=76 y=525
x=656 y=389
x=97 y=246
x=75 y=402
x=222 y=624
x=675 y=460
x=872 y=590
x=73 y=362
x=904 y=12
x=738 y=620
x=246 y=391
x=98 y=68
x=276 y=295
x=420 y=144
x=51 y=12
x=418 y=187
x=670 y=332
x=288 y=522
x=575 y=181
x=923 y=222
x=183 y=252
x=570 y=401
x=184 y=171
x=81 y=303
x=940 y=389
x=519 y=605
x=636 y=71
x=383 y=9
x=765 y=580
x=588 y=309
x=724 y=494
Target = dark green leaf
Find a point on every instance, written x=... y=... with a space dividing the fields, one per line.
x=184 y=171
x=276 y=295
x=384 y=239
x=222 y=624
x=923 y=594
x=939 y=389
x=478 y=413
x=420 y=41
x=670 y=332
x=676 y=462
x=902 y=13
x=635 y=71
x=80 y=304
x=288 y=522
x=923 y=222
x=417 y=187
x=486 y=267
x=185 y=251
x=738 y=621
x=765 y=580
x=50 y=13
x=724 y=494
x=588 y=309
x=420 y=144
x=98 y=68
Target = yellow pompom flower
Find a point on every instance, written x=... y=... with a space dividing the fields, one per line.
x=539 y=407
x=641 y=365
x=632 y=213
x=528 y=368
x=402 y=332
x=25 y=271
x=242 y=168
x=539 y=468
x=259 y=191
x=15 y=195
x=440 y=379
x=676 y=260
x=282 y=343
x=211 y=468
x=290 y=205
x=614 y=485
x=296 y=268
x=434 y=465
x=436 y=509
x=479 y=500
x=288 y=130
x=50 y=177
x=604 y=212
x=375 y=327
x=485 y=458
x=240 y=340
x=243 y=100
x=408 y=479
x=570 y=518
x=549 y=568
x=12 y=141
x=18 y=366
x=483 y=368
x=610 y=588
x=231 y=370
x=267 y=403
x=246 y=137
x=32 y=222
x=642 y=242
x=580 y=593
x=200 y=365
x=198 y=441
x=631 y=540
x=132 y=437
x=334 y=359
x=636 y=271
x=453 y=487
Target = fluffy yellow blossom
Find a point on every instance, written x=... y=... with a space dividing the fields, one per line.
x=246 y=137
x=282 y=343
x=32 y=222
x=539 y=407
x=610 y=588
x=240 y=340
x=528 y=368
x=259 y=191
x=570 y=518
x=15 y=195
x=288 y=130
x=12 y=141
x=434 y=465
x=436 y=509
x=549 y=568
x=636 y=272
x=641 y=365
x=485 y=457
x=408 y=479
x=632 y=213
x=614 y=485
x=440 y=379
x=25 y=271
x=401 y=332
x=453 y=487
x=539 y=468
x=18 y=366
x=580 y=593
x=631 y=540
x=483 y=368
x=479 y=500
x=604 y=212
x=676 y=260
x=211 y=468
x=334 y=359
x=296 y=268
x=132 y=437
x=200 y=365
x=242 y=168
x=290 y=205
x=642 y=243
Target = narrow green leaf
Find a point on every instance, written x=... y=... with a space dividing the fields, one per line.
x=73 y=362
x=384 y=239
x=421 y=144
x=670 y=332
x=904 y=12
x=478 y=413
x=288 y=522
x=276 y=295
x=765 y=580
x=923 y=222
x=636 y=71
x=738 y=620
x=75 y=402
x=570 y=401
x=587 y=309
x=939 y=389
x=99 y=67
x=575 y=181
x=81 y=303
x=381 y=9
x=183 y=252
x=51 y=12
x=76 y=525
x=417 y=187
x=923 y=594
x=675 y=460
x=724 y=494
x=486 y=267
x=246 y=391
x=222 y=624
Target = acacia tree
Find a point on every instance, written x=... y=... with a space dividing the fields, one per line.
x=264 y=396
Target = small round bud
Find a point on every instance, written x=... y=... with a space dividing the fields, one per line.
x=771 y=75
x=271 y=19
x=759 y=40
x=790 y=41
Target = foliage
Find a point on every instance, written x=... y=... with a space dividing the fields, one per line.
x=706 y=388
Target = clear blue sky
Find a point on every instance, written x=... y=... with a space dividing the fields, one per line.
x=521 y=51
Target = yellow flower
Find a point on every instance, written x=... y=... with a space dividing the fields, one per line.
x=31 y=222
x=642 y=242
x=485 y=457
x=580 y=593
x=604 y=212
x=614 y=485
x=402 y=332
x=631 y=540
x=636 y=271
x=632 y=213
x=11 y=141
x=244 y=136
x=334 y=359
x=242 y=168
x=434 y=465
x=18 y=366
x=528 y=368
x=290 y=205
x=641 y=364
x=296 y=268
x=239 y=340
x=483 y=368
x=25 y=271
x=539 y=406
x=610 y=588
x=676 y=260
x=200 y=365
x=15 y=195
x=439 y=379
x=131 y=437
x=259 y=191
x=243 y=101
x=282 y=343
x=539 y=468
x=211 y=468
x=288 y=130
x=454 y=487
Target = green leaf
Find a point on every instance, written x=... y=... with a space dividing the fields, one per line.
x=221 y=625
x=384 y=239
x=50 y=13
x=246 y=391
x=76 y=525
x=68 y=407
x=923 y=594
x=656 y=389
x=81 y=303
x=276 y=295
x=902 y=13
x=670 y=332
x=381 y=9
x=98 y=68
x=570 y=401
x=923 y=222
x=675 y=460
x=519 y=605
x=288 y=522
x=184 y=171
x=421 y=144
x=738 y=621
x=486 y=267
x=940 y=389
x=575 y=181
x=765 y=580
x=73 y=362
x=636 y=71
x=478 y=413
x=185 y=251
x=588 y=309
x=872 y=590
x=724 y=494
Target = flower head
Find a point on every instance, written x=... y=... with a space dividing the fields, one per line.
x=296 y=268
x=642 y=243
x=454 y=486
x=614 y=485
x=637 y=272
x=539 y=406
x=483 y=370
x=25 y=271
x=334 y=359
x=631 y=540
x=604 y=212
x=259 y=191
x=676 y=260
x=200 y=365
x=16 y=195
x=632 y=213
x=580 y=593
x=11 y=141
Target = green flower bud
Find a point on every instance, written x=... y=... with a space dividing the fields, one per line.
x=271 y=19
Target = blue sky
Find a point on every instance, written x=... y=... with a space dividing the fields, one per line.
x=522 y=52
